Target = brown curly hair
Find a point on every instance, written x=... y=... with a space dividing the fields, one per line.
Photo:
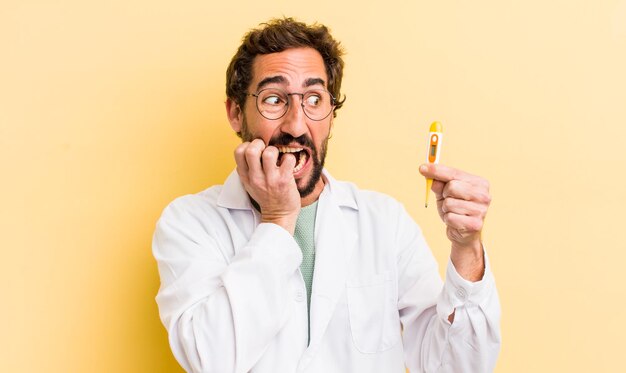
x=275 y=36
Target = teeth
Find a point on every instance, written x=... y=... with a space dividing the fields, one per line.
x=300 y=164
x=302 y=157
x=286 y=149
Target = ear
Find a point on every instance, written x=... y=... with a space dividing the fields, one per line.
x=234 y=114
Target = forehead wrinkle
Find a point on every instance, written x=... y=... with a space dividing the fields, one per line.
x=299 y=66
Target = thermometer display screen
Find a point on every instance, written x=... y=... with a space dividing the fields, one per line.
x=433 y=150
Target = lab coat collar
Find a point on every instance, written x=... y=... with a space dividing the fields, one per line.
x=234 y=196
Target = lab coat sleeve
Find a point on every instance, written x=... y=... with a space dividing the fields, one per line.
x=432 y=344
x=221 y=313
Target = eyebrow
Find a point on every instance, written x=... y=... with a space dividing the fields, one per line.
x=269 y=80
x=314 y=81
x=281 y=79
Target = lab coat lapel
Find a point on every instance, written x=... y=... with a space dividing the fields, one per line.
x=335 y=242
x=245 y=217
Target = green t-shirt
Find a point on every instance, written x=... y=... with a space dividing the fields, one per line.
x=304 y=235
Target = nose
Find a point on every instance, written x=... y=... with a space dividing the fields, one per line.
x=294 y=121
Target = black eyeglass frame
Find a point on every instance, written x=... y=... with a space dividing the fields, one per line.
x=333 y=101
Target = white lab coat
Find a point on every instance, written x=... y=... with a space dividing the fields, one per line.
x=232 y=297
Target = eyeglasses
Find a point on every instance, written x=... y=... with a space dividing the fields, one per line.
x=273 y=103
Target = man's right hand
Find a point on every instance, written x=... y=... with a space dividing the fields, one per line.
x=272 y=187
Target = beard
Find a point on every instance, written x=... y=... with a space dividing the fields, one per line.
x=317 y=157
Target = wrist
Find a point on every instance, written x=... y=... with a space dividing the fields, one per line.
x=468 y=260
x=472 y=248
x=288 y=222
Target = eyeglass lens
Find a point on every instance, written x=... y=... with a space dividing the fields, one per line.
x=273 y=103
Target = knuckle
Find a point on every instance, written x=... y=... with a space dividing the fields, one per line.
x=475 y=225
x=284 y=182
x=447 y=190
x=251 y=151
x=482 y=211
x=239 y=150
x=451 y=219
x=454 y=186
x=271 y=150
x=256 y=180
x=268 y=154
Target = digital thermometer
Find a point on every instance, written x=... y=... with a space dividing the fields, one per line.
x=435 y=136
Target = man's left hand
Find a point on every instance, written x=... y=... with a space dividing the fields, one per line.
x=462 y=203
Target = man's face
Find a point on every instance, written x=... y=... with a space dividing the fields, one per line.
x=294 y=71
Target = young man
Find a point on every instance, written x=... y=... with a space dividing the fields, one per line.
x=285 y=269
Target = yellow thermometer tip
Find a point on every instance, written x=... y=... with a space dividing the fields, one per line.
x=436 y=127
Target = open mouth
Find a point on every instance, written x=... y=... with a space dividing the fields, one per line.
x=300 y=154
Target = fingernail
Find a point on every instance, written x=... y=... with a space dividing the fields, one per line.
x=423 y=168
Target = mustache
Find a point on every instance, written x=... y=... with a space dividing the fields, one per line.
x=286 y=139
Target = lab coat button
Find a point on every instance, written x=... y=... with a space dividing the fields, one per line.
x=461 y=293
x=299 y=295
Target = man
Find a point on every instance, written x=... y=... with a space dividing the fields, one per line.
x=285 y=269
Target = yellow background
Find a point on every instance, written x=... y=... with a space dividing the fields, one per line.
x=110 y=109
